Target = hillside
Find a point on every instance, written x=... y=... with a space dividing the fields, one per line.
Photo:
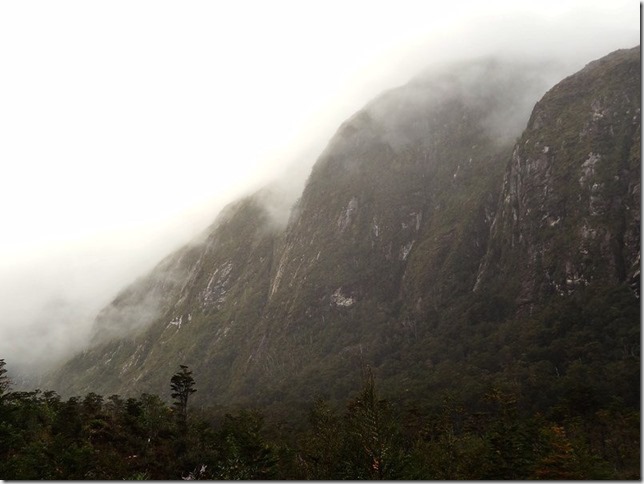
x=436 y=240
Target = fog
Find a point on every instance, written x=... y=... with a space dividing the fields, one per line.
x=127 y=126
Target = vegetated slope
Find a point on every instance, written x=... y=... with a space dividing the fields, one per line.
x=396 y=213
x=405 y=214
x=183 y=311
x=570 y=208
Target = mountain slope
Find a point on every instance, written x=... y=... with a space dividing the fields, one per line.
x=377 y=224
x=423 y=238
x=570 y=207
x=194 y=300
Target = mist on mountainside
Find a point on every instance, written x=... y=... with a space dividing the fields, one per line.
x=440 y=289
x=54 y=296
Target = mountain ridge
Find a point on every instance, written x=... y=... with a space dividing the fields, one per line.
x=402 y=237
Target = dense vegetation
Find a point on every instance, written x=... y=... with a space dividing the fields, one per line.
x=45 y=437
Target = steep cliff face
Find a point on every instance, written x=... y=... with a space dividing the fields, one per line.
x=423 y=232
x=188 y=309
x=393 y=220
x=569 y=212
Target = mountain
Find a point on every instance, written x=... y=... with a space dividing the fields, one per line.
x=435 y=240
x=570 y=206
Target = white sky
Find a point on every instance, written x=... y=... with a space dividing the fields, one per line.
x=125 y=125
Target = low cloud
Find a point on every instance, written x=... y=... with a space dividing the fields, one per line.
x=275 y=104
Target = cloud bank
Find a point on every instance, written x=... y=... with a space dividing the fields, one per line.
x=127 y=126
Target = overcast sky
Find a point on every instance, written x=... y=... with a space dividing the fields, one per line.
x=126 y=125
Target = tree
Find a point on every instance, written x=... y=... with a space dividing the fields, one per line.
x=182 y=385
x=5 y=382
x=373 y=435
x=559 y=462
x=321 y=455
x=244 y=453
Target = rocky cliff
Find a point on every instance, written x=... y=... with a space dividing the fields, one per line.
x=425 y=236
x=569 y=213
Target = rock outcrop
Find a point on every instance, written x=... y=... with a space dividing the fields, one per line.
x=423 y=229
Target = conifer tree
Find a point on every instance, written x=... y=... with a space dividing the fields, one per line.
x=5 y=383
x=182 y=385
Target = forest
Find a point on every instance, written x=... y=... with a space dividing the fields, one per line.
x=43 y=436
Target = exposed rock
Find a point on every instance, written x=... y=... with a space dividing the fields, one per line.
x=421 y=217
x=590 y=141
